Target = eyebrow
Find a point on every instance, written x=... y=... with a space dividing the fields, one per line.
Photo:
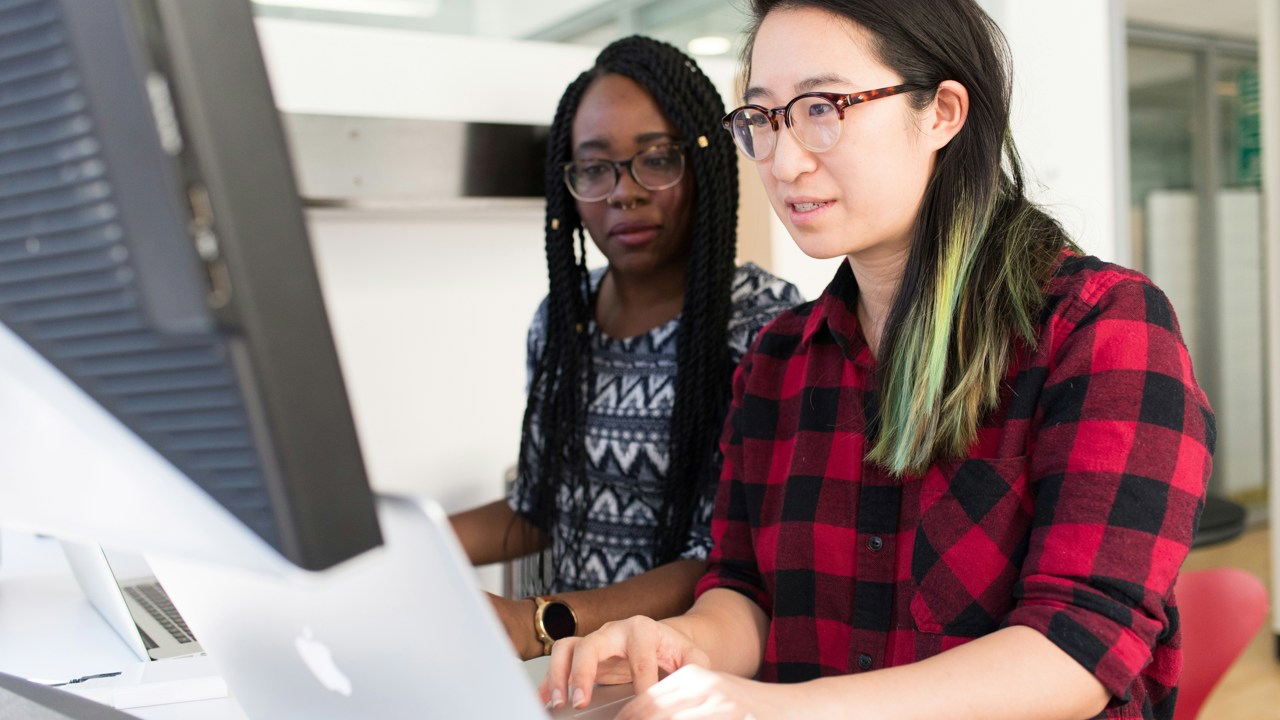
x=809 y=84
x=642 y=139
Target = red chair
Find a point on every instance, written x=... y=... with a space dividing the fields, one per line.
x=1222 y=609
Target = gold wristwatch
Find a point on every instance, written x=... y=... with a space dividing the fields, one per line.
x=553 y=619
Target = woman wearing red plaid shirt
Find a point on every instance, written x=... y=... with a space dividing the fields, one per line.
x=959 y=484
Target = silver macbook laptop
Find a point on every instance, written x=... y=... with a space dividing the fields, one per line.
x=400 y=631
x=132 y=602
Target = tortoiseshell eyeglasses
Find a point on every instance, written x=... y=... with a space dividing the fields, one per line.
x=814 y=119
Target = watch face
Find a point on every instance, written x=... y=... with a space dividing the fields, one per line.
x=558 y=620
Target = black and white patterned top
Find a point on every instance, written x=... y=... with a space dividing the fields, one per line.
x=627 y=436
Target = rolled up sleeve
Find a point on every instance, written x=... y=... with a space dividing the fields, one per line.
x=1119 y=469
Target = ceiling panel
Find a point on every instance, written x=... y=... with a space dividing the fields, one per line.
x=1232 y=18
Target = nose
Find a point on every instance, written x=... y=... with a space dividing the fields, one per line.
x=627 y=193
x=790 y=159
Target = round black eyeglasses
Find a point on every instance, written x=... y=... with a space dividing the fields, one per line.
x=654 y=168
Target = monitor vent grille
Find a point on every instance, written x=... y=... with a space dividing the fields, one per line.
x=67 y=286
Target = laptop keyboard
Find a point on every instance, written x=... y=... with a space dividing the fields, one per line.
x=156 y=602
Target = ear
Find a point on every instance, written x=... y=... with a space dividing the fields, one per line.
x=950 y=108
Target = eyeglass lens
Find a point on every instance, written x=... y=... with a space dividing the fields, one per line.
x=815 y=122
x=656 y=168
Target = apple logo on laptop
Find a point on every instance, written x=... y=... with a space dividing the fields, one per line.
x=319 y=660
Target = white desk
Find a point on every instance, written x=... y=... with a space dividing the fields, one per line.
x=50 y=632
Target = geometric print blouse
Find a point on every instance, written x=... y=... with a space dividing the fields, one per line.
x=627 y=437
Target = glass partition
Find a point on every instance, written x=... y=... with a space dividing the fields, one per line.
x=1196 y=218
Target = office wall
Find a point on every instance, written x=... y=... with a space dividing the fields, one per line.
x=331 y=69
x=1069 y=109
x=430 y=315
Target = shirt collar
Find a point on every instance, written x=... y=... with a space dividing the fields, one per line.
x=836 y=312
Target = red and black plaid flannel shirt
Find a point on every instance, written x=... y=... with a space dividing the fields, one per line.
x=1071 y=513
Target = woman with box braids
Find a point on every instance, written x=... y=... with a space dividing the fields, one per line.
x=630 y=364
x=690 y=101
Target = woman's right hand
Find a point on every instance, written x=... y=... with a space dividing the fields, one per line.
x=637 y=650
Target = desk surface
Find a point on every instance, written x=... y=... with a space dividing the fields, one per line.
x=50 y=633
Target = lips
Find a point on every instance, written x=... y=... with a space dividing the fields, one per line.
x=805 y=204
x=634 y=233
x=806 y=209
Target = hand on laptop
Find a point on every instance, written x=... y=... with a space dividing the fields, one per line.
x=637 y=650
x=694 y=691
x=668 y=670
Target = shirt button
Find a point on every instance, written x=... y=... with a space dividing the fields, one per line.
x=864 y=662
x=876 y=543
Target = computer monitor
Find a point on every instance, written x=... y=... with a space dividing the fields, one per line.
x=168 y=380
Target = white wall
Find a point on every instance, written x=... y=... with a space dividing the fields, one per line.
x=430 y=316
x=1068 y=103
x=331 y=69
